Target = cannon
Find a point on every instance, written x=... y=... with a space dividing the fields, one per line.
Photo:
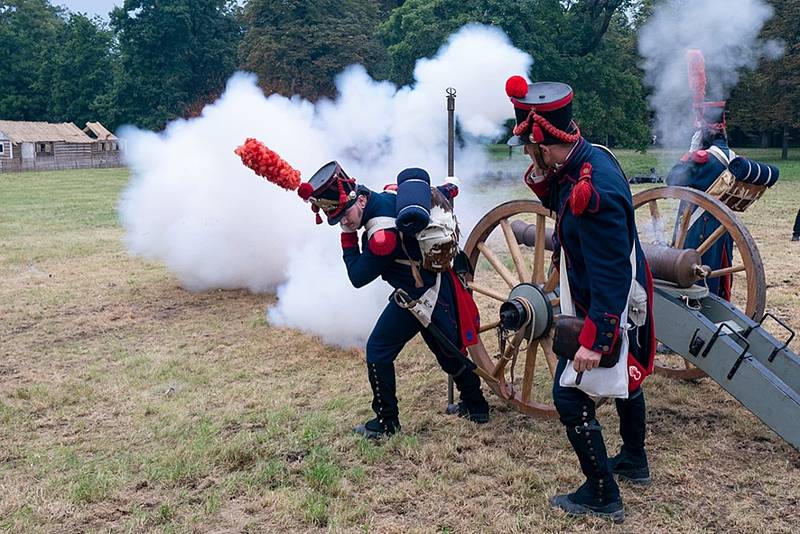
x=516 y=288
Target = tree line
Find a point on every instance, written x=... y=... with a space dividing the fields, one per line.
x=156 y=60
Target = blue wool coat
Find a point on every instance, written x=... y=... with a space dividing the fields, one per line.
x=378 y=256
x=597 y=244
x=699 y=170
x=369 y=262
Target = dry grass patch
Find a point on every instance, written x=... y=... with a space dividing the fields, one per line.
x=130 y=404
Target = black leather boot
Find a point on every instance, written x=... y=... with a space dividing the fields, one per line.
x=473 y=405
x=384 y=402
x=631 y=462
x=599 y=495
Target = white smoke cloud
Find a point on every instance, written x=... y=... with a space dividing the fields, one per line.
x=726 y=31
x=192 y=205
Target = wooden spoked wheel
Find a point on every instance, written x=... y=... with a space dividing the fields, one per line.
x=519 y=372
x=663 y=217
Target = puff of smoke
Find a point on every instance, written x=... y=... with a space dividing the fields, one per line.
x=192 y=205
x=726 y=31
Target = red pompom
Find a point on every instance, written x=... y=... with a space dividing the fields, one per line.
x=265 y=162
x=516 y=87
x=305 y=190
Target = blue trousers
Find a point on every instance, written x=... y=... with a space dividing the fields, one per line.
x=396 y=327
x=576 y=407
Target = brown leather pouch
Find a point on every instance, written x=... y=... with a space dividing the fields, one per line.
x=565 y=340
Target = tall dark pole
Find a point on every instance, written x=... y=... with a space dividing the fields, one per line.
x=451 y=129
x=451 y=134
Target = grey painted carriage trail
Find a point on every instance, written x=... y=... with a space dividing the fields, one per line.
x=737 y=353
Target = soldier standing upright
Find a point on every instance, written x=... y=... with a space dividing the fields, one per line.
x=709 y=156
x=602 y=267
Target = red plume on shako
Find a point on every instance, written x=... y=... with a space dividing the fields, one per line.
x=267 y=163
x=330 y=190
x=697 y=74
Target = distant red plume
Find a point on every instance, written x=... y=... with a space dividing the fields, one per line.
x=697 y=74
x=516 y=87
x=267 y=163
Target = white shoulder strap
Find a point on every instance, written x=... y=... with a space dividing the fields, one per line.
x=378 y=223
x=720 y=155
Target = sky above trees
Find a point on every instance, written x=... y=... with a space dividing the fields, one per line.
x=90 y=7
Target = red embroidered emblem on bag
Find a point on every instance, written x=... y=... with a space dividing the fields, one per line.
x=634 y=373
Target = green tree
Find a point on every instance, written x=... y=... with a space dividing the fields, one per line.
x=419 y=27
x=768 y=100
x=28 y=39
x=172 y=53
x=81 y=72
x=298 y=46
x=587 y=44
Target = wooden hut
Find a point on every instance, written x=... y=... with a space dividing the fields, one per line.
x=28 y=146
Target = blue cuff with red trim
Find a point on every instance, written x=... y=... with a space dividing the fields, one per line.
x=600 y=337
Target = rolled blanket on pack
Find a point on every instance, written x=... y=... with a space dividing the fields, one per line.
x=753 y=172
x=413 y=200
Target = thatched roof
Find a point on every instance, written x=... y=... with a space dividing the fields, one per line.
x=98 y=131
x=32 y=132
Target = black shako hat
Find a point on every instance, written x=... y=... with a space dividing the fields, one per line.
x=711 y=115
x=543 y=112
x=331 y=191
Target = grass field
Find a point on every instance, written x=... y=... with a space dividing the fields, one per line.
x=129 y=404
x=634 y=162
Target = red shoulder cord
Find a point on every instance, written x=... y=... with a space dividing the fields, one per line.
x=548 y=127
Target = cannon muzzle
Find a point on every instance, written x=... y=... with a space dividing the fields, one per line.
x=526 y=234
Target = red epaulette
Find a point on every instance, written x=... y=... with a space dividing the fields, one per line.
x=383 y=242
x=700 y=156
x=583 y=191
x=392 y=188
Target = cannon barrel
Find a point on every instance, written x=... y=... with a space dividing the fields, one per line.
x=682 y=267
x=676 y=265
x=526 y=234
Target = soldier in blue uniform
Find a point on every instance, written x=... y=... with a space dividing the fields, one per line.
x=796 y=229
x=708 y=157
x=383 y=254
x=596 y=233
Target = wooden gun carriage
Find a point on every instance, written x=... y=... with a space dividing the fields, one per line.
x=510 y=250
